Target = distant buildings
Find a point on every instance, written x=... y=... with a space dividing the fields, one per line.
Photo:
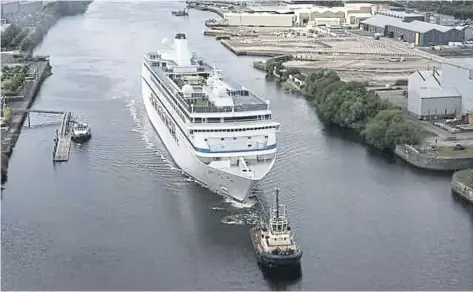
x=440 y=19
x=259 y=19
x=409 y=28
x=442 y=94
x=302 y=15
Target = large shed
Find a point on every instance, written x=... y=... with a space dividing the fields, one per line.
x=418 y=32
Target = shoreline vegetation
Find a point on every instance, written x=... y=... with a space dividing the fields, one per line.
x=23 y=74
x=26 y=34
x=350 y=105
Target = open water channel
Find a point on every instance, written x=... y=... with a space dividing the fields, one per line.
x=120 y=216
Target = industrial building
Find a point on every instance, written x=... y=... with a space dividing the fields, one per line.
x=458 y=73
x=427 y=99
x=349 y=14
x=320 y=15
x=442 y=94
x=441 y=19
x=403 y=15
x=418 y=32
x=259 y=19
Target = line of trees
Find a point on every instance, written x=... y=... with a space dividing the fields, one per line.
x=350 y=105
x=19 y=36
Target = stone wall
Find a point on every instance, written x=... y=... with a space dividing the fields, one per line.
x=459 y=187
x=429 y=161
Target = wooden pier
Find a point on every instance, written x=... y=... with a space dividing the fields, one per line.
x=62 y=141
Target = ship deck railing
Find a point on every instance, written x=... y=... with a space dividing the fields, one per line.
x=245 y=99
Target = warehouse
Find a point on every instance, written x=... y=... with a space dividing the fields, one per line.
x=418 y=32
x=405 y=16
x=457 y=73
x=427 y=99
x=259 y=19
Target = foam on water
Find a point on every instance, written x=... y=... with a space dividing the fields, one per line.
x=250 y=202
x=241 y=219
x=145 y=135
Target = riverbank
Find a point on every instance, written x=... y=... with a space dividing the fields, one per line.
x=27 y=30
x=19 y=105
x=462 y=184
x=25 y=33
x=418 y=152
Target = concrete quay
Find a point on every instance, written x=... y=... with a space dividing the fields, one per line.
x=461 y=184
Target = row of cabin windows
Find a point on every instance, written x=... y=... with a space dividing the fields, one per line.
x=234 y=130
x=231 y=119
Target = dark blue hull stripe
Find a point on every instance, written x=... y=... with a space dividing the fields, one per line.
x=202 y=150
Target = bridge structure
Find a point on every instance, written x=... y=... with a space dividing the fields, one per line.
x=63 y=135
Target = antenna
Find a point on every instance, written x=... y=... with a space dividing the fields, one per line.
x=276 y=190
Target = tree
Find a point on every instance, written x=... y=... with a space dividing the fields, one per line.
x=389 y=128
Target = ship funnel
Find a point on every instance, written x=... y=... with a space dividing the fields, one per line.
x=183 y=55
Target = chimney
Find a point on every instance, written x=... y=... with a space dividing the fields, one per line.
x=182 y=50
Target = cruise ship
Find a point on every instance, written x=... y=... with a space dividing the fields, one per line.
x=217 y=131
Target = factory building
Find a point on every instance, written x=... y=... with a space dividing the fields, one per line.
x=427 y=99
x=458 y=73
x=442 y=94
x=418 y=32
x=403 y=15
x=350 y=13
x=259 y=19
x=357 y=12
x=441 y=19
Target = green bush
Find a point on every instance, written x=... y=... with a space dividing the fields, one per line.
x=350 y=105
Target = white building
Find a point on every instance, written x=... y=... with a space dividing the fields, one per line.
x=435 y=94
x=349 y=14
x=259 y=19
x=457 y=73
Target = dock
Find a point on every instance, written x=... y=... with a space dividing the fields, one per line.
x=62 y=141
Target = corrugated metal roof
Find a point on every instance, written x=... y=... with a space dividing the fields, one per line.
x=428 y=78
x=416 y=25
x=466 y=63
x=400 y=14
x=436 y=92
x=381 y=20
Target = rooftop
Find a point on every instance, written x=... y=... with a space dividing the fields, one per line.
x=435 y=92
x=399 y=14
x=429 y=79
x=466 y=63
x=416 y=25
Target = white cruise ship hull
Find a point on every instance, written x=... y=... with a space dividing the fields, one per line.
x=182 y=153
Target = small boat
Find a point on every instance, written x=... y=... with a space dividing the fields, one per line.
x=273 y=241
x=81 y=133
x=180 y=13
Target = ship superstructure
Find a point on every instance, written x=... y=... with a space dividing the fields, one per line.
x=216 y=130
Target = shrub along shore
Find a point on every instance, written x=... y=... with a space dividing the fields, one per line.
x=350 y=105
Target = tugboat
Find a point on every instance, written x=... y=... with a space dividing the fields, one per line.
x=81 y=133
x=273 y=240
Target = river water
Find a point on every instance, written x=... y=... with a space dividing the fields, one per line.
x=120 y=216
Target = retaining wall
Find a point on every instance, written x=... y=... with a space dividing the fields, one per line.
x=431 y=162
x=459 y=187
